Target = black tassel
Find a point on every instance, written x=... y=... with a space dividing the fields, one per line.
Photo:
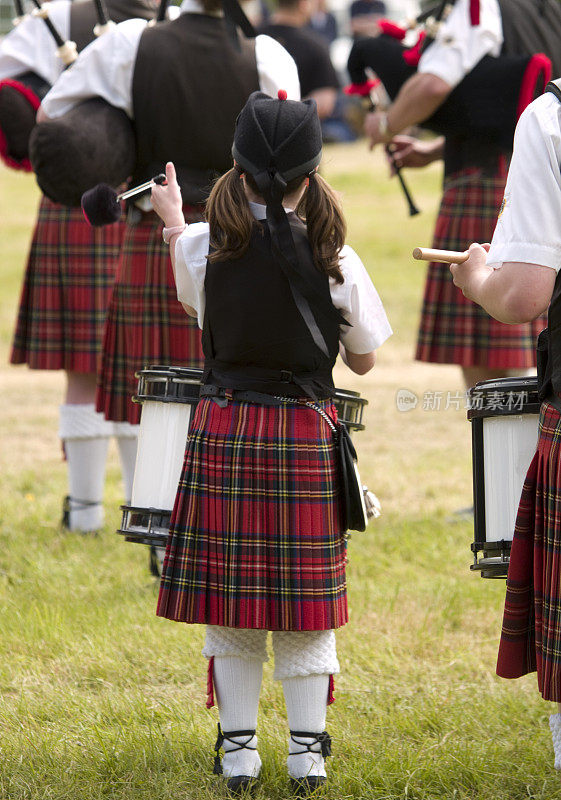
x=325 y=741
x=217 y=769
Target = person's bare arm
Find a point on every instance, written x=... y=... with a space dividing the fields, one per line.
x=516 y=292
x=360 y=363
x=417 y=100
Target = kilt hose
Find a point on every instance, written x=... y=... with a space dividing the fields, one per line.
x=531 y=632
x=68 y=281
x=255 y=537
x=146 y=324
x=452 y=329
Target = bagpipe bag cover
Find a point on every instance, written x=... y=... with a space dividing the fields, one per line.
x=19 y=100
x=93 y=143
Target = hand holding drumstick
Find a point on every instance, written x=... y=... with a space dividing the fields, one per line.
x=469 y=269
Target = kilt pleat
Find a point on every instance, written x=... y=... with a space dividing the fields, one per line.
x=66 y=289
x=255 y=538
x=452 y=329
x=146 y=324
x=531 y=631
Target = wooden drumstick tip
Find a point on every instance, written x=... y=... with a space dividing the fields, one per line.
x=445 y=256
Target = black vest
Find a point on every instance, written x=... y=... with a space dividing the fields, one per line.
x=189 y=84
x=83 y=17
x=254 y=337
x=529 y=26
x=549 y=340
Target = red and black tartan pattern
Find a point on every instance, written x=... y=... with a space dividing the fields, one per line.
x=255 y=538
x=68 y=281
x=146 y=324
x=453 y=330
x=531 y=632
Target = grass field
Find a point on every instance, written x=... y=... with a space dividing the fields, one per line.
x=100 y=699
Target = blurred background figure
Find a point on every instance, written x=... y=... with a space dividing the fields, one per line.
x=318 y=79
x=365 y=15
x=323 y=21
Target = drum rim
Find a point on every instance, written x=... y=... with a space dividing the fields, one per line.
x=505 y=386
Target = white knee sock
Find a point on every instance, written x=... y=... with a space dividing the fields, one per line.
x=127 y=442
x=85 y=434
x=306 y=706
x=237 y=682
x=555 y=727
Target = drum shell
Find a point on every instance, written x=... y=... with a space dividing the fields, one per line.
x=504 y=414
x=167 y=397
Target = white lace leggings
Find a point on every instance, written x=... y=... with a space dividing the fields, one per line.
x=297 y=653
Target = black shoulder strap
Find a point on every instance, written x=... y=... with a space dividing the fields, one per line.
x=554 y=89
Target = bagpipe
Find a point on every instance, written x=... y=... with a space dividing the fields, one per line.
x=486 y=103
x=20 y=97
x=94 y=145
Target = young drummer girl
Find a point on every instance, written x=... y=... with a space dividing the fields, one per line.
x=256 y=543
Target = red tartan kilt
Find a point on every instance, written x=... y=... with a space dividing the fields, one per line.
x=531 y=632
x=146 y=324
x=68 y=281
x=453 y=330
x=255 y=538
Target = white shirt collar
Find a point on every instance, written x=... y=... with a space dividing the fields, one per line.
x=258 y=210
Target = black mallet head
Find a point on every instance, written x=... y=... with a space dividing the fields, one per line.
x=100 y=205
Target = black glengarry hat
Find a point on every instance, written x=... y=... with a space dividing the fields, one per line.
x=277 y=136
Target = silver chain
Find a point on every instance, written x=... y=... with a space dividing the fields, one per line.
x=311 y=405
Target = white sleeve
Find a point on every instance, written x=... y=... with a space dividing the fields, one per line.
x=30 y=46
x=276 y=68
x=191 y=251
x=459 y=45
x=103 y=69
x=529 y=225
x=360 y=304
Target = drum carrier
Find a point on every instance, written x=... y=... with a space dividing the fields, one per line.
x=168 y=395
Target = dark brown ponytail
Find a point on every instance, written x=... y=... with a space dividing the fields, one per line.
x=229 y=217
x=321 y=210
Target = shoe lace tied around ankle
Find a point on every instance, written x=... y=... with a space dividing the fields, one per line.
x=323 y=739
x=230 y=736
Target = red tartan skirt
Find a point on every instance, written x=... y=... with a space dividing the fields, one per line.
x=68 y=281
x=255 y=538
x=453 y=330
x=146 y=324
x=531 y=632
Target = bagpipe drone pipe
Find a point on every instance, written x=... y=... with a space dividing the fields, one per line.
x=486 y=103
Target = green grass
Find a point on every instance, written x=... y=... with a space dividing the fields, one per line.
x=99 y=698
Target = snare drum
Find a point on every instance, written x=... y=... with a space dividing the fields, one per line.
x=168 y=395
x=504 y=426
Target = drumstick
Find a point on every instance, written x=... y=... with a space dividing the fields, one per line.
x=446 y=256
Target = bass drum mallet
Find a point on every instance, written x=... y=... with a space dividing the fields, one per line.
x=102 y=205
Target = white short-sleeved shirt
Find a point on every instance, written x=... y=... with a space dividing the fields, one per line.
x=529 y=225
x=105 y=69
x=356 y=298
x=30 y=47
x=459 y=45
